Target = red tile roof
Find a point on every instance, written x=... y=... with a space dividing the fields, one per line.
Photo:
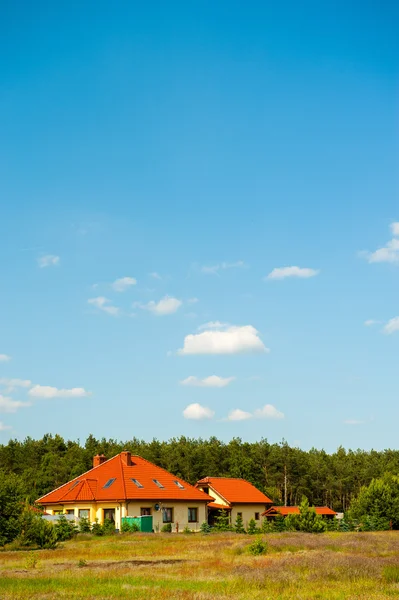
x=218 y=506
x=90 y=485
x=294 y=510
x=238 y=491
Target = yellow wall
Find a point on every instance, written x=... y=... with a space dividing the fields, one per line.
x=180 y=514
x=248 y=512
x=215 y=496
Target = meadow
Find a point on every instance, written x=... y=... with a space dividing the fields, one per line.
x=336 y=566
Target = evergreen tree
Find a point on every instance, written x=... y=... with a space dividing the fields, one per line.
x=222 y=521
x=252 y=528
x=239 y=524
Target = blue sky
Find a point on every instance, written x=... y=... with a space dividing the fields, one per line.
x=198 y=153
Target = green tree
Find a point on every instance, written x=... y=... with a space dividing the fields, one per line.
x=12 y=492
x=239 y=524
x=379 y=500
x=64 y=529
x=222 y=521
x=252 y=528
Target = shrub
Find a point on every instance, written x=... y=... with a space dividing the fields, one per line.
x=252 y=528
x=82 y=563
x=378 y=500
x=31 y=561
x=167 y=528
x=64 y=529
x=108 y=527
x=84 y=525
x=268 y=526
x=205 y=528
x=45 y=534
x=187 y=530
x=97 y=529
x=257 y=547
x=222 y=521
x=239 y=525
x=125 y=527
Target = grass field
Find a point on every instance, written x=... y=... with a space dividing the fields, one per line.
x=335 y=566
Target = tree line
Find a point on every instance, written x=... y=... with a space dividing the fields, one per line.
x=331 y=479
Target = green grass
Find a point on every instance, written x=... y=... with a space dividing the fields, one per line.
x=296 y=566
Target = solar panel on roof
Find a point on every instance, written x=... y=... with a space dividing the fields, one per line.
x=158 y=483
x=109 y=483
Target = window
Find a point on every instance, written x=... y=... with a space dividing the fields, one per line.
x=144 y=511
x=75 y=483
x=57 y=512
x=84 y=513
x=239 y=515
x=193 y=515
x=70 y=511
x=109 y=483
x=139 y=485
x=206 y=490
x=167 y=515
x=256 y=516
x=109 y=513
x=159 y=484
x=179 y=485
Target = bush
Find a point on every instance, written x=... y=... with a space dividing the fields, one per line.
x=257 y=547
x=125 y=527
x=84 y=525
x=379 y=500
x=167 y=528
x=268 y=526
x=45 y=534
x=307 y=520
x=205 y=528
x=108 y=527
x=222 y=521
x=239 y=525
x=187 y=530
x=65 y=530
x=97 y=529
x=252 y=528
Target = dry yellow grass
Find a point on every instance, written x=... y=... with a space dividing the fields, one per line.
x=297 y=566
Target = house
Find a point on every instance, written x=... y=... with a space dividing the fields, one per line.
x=127 y=485
x=275 y=511
x=237 y=496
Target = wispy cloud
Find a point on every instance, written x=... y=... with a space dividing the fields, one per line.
x=166 y=306
x=4 y=358
x=8 y=405
x=49 y=260
x=47 y=391
x=392 y=326
x=197 y=412
x=192 y=301
x=268 y=411
x=388 y=253
x=215 y=269
x=213 y=381
x=123 y=284
x=299 y=272
x=213 y=325
x=371 y=322
x=104 y=304
x=11 y=384
x=4 y=427
x=233 y=340
x=155 y=275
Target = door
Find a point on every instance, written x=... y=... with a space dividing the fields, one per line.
x=109 y=513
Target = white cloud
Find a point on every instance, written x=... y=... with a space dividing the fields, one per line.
x=4 y=427
x=123 y=284
x=233 y=340
x=8 y=405
x=395 y=229
x=46 y=391
x=197 y=412
x=238 y=415
x=4 y=358
x=155 y=275
x=283 y=272
x=166 y=306
x=213 y=325
x=49 y=260
x=212 y=381
x=392 y=326
x=388 y=253
x=103 y=304
x=370 y=322
x=268 y=412
x=11 y=384
x=214 y=269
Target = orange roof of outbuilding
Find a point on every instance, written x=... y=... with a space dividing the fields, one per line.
x=90 y=485
x=234 y=490
x=294 y=510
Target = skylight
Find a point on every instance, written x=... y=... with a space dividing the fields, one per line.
x=179 y=485
x=75 y=483
x=109 y=483
x=139 y=485
x=158 y=483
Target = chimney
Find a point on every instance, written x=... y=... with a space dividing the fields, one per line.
x=127 y=457
x=98 y=460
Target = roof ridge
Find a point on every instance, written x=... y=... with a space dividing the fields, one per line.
x=121 y=463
